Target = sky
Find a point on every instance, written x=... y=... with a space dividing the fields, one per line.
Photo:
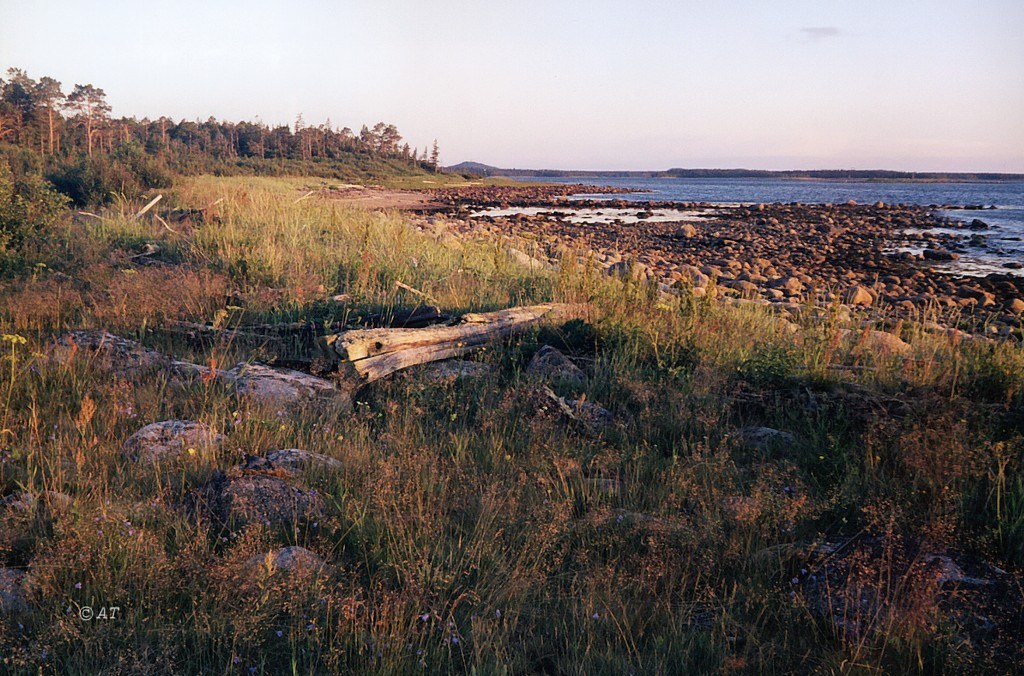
x=914 y=85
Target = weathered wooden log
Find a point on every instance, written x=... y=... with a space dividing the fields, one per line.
x=370 y=354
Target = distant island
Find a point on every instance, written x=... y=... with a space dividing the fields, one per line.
x=479 y=169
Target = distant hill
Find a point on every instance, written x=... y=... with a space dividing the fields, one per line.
x=480 y=169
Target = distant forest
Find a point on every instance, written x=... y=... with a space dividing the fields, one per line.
x=479 y=169
x=71 y=139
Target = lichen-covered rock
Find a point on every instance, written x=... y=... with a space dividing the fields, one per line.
x=278 y=385
x=272 y=497
x=171 y=438
x=587 y=416
x=287 y=559
x=764 y=438
x=879 y=343
x=447 y=372
x=298 y=459
x=550 y=364
x=121 y=355
x=12 y=590
x=29 y=501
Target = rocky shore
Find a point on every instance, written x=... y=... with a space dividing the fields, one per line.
x=879 y=256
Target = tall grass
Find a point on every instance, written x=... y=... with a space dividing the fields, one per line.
x=467 y=532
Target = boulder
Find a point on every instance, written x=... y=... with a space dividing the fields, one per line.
x=298 y=459
x=276 y=385
x=763 y=438
x=588 y=416
x=858 y=295
x=171 y=438
x=550 y=364
x=876 y=342
x=288 y=560
x=447 y=372
x=686 y=231
x=121 y=355
x=12 y=591
x=939 y=255
x=27 y=501
x=244 y=496
x=1015 y=305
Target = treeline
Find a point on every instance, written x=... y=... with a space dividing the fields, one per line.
x=59 y=147
x=822 y=174
x=39 y=115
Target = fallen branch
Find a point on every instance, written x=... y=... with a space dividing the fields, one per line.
x=371 y=354
x=152 y=203
x=308 y=194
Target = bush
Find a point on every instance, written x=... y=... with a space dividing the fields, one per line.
x=128 y=172
x=27 y=204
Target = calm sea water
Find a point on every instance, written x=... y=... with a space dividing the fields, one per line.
x=1005 y=238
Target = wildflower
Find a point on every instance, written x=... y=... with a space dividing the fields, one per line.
x=424 y=617
x=596 y=616
x=14 y=339
x=795 y=580
x=497 y=613
x=78 y=585
x=279 y=633
x=236 y=659
x=310 y=627
x=191 y=450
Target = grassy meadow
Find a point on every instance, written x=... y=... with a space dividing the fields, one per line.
x=468 y=532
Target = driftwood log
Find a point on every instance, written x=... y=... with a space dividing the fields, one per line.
x=367 y=355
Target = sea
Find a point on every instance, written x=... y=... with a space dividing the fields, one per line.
x=1004 y=238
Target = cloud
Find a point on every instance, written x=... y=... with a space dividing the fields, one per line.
x=821 y=32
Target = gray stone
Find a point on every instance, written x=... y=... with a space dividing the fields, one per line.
x=764 y=438
x=447 y=372
x=242 y=497
x=287 y=559
x=276 y=385
x=297 y=459
x=171 y=438
x=12 y=590
x=550 y=364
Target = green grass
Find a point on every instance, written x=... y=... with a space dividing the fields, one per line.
x=466 y=534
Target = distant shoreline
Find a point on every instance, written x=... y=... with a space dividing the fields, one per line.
x=867 y=176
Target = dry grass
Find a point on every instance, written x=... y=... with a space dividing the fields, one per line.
x=467 y=532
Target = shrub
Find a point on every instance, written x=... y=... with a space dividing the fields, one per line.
x=27 y=204
x=128 y=172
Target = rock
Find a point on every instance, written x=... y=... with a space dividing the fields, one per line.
x=171 y=438
x=447 y=372
x=550 y=364
x=279 y=385
x=121 y=355
x=686 y=231
x=1015 y=305
x=876 y=342
x=764 y=438
x=297 y=459
x=978 y=224
x=948 y=572
x=287 y=559
x=529 y=261
x=27 y=501
x=939 y=255
x=12 y=591
x=590 y=417
x=858 y=295
x=242 y=496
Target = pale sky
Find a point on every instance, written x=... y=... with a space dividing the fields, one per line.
x=788 y=84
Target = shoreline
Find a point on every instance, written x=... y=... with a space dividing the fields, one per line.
x=781 y=253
